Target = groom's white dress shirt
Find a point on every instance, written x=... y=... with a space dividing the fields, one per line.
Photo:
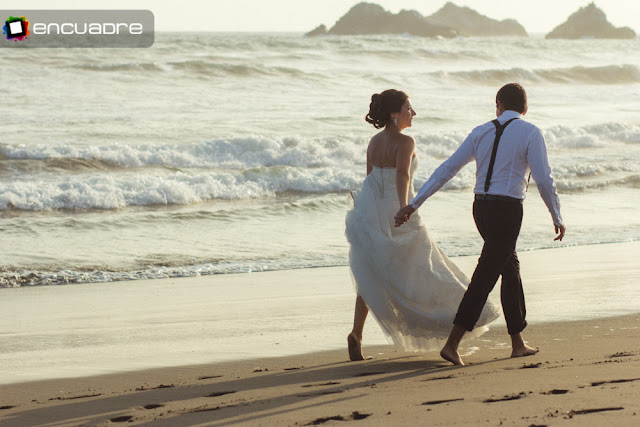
x=521 y=149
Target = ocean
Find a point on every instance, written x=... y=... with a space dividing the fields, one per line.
x=220 y=153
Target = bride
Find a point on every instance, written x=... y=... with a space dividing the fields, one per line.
x=411 y=287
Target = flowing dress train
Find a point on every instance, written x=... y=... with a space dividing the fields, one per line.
x=410 y=286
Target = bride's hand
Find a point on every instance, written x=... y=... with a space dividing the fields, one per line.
x=403 y=215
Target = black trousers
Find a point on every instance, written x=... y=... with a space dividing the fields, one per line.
x=499 y=224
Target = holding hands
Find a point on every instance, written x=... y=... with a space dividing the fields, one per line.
x=403 y=215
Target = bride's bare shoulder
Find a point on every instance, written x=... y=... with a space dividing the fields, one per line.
x=406 y=142
x=380 y=136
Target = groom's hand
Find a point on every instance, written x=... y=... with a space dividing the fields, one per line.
x=560 y=229
x=403 y=215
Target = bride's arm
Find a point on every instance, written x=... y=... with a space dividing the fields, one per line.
x=406 y=149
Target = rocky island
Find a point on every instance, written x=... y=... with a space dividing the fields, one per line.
x=468 y=22
x=449 y=21
x=589 y=22
x=369 y=18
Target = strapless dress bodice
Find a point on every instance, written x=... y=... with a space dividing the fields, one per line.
x=385 y=178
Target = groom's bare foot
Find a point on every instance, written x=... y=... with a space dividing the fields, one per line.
x=519 y=347
x=451 y=356
x=355 y=348
x=525 y=350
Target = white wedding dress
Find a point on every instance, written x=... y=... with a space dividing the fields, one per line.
x=410 y=286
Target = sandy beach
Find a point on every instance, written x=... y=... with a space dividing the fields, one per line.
x=587 y=373
x=70 y=361
x=172 y=220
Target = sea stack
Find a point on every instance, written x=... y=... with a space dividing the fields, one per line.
x=589 y=22
x=320 y=30
x=369 y=18
x=468 y=22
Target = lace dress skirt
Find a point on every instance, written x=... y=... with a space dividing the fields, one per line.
x=410 y=286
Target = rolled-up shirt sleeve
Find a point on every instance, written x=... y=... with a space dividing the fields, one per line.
x=541 y=172
x=446 y=171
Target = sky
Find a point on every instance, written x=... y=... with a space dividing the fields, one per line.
x=537 y=16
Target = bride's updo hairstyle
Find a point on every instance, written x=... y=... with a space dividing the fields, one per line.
x=383 y=104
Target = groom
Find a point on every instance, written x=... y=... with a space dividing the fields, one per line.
x=505 y=150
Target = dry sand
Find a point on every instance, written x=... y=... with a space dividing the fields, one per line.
x=587 y=373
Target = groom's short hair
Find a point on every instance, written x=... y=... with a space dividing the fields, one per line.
x=513 y=97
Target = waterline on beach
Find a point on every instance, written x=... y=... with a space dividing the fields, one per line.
x=100 y=328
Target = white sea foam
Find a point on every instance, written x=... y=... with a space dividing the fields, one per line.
x=609 y=74
x=64 y=277
x=262 y=166
x=262 y=150
x=179 y=188
x=564 y=137
x=232 y=153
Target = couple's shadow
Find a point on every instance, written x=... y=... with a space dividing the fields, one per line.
x=244 y=395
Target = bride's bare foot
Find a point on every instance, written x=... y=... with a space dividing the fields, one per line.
x=525 y=350
x=452 y=356
x=355 y=348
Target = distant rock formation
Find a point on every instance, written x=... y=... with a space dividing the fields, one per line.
x=449 y=21
x=369 y=18
x=589 y=22
x=320 y=30
x=468 y=22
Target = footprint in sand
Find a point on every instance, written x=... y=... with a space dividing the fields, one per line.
x=143 y=388
x=621 y=354
x=355 y=415
x=76 y=397
x=319 y=393
x=531 y=366
x=209 y=377
x=323 y=420
x=153 y=406
x=122 y=419
x=220 y=393
x=506 y=398
x=366 y=374
x=556 y=391
x=437 y=402
x=593 y=411
x=597 y=383
x=321 y=384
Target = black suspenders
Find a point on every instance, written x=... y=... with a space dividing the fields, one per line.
x=499 y=129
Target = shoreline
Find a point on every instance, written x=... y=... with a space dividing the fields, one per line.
x=88 y=330
x=584 y=374
x=62 y=281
